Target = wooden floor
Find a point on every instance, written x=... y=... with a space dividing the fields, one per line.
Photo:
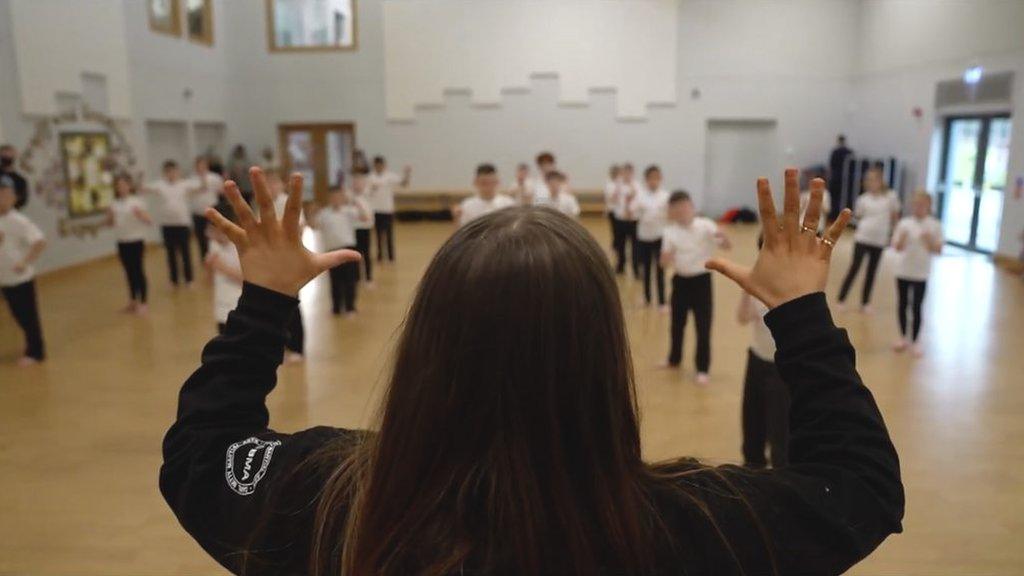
x=80 y=436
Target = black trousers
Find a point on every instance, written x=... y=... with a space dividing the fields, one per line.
x=199 y=227
x=384 y=224
x=614 y=226
x=344 y=279
x=627 y=235
x=363 y=247
x=176 y=242
x=295 y=334
x=765 y=414
x=910 y=293
x=874 y=254
x=650 y=257
x=21 y=299
x=691 y=294
x=131 y=254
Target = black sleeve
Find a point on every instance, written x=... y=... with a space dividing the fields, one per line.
x=841 y=495
x=20 y=190
x=227 y=477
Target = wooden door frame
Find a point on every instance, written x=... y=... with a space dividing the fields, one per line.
x=318 y=131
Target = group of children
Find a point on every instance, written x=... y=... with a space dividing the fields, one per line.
x=550 y=188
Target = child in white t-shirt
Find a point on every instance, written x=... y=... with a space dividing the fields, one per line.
x=917 y=238
x=486 y=200
x=688 y=241
x=205 y=188
x=627 y=223
x=363 y=228
x=765 y=395
x=522 y=187
x=171 y=194
x=382 y=184
x=649 y=208
x=224 y=265
x=562 y=199
x=21 y=243
x=336 y=223
x=131 y=223
x=876 y=211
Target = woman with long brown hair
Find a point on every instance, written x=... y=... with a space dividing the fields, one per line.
x=509 y=441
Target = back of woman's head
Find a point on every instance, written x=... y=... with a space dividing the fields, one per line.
x=509 y=440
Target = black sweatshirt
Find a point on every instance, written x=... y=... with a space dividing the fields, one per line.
x=225 y=472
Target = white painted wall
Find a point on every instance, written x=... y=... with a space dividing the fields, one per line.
x=907 y=47
x=628 y=46
x=57 y=41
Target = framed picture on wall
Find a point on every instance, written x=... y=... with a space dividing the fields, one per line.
x=199 y=20
x=164 y=16
x=87 y=172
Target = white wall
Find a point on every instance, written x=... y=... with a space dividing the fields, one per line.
x=57 y=41
x=742 y=56
x=907 y=47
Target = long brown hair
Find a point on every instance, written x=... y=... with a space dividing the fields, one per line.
x=509 y=439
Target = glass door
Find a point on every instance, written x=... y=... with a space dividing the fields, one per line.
x=322 y=153
x=974 y=163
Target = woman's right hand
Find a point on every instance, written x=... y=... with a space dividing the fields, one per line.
x=793 y=261
x=271 y=250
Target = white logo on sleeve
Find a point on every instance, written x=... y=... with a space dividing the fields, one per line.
x=247 y=462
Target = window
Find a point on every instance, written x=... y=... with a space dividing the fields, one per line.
x=199 y=16
x=296 y=25
x=163 y=17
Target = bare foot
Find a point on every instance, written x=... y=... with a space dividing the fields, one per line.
x=841 y=307
x=129 y=309
x=666 y=365
x=369 y=285
x=867 y=310
x=917 y=350
x=293 y=358
x=664 y=309
x=26 y=361
x=702 y=379
x=141 y=309
x=900 y=345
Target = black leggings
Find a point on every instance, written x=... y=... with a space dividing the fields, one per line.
x=199 y=227
x=343 y=287
x=363 y=247
x=691 y=294
x=625 y=234
x=765 y=414
x=130 y=254
x=176 y=243
x=910 y=291
x=650 y=257
x=295 y=334
x=21 y=299
x=384 y=224
x=874 y=254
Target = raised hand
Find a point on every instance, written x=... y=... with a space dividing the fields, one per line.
x=793 y=261
x=271 y=250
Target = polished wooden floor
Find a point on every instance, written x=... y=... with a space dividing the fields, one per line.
x=80 y=436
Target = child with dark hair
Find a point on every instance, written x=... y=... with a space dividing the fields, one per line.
x=363 y=227
x=486 y=200
x=918 y=237
x=128 y=217
x=21 y=243
x=650 y=208
x=175 y=218
x=688 y=242
x=336 y=223
x=562 y=199
x=382 y=185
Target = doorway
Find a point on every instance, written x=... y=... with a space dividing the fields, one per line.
x=738 y=152
x=973 y=178
x=322 y=153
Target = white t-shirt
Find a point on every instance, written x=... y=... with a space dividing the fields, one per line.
x=128 y=227
x=17 y=235
x=915 y=261
x=651 y=211
x=474 y=207
x=518 y=193
x=226 y=291
x=611 y=195
x=874 y=217
x=826 y=206
x=172 y=202
x=691 y=246
x=361 y=201
x=381 y=190
x=209 y=187
x=621 y=211
x=337 y=226
x=762 y=344
x=565 y=202
x=541 y=193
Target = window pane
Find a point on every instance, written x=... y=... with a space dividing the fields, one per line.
x=313 y=23
x=963 y=153
x=997 y=159
x=198 y=18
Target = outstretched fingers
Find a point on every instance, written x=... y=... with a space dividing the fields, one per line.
x=268 y=215
x=812 y=215
x=293 y=208
x=791 y=205
x=329 y=260
x=234 y=233
x=834 y=233
x=246 y=219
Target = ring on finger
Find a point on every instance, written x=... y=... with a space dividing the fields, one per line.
x=806 y=228
x=830 y=242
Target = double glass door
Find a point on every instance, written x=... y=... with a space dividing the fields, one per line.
x=322 y=153
x=974 y=162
